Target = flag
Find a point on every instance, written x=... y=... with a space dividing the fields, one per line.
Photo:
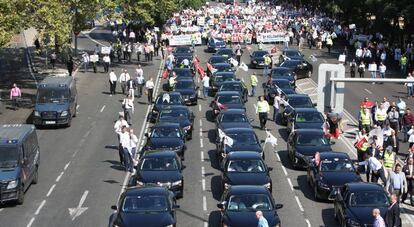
x=228 y=141
x=244 y=67
x=200 y=72
x=165 y=74
x=166 y=97
x=221 y=106
x=209 y=67
x=221 y=134
x=234 y=62
x=271 y=139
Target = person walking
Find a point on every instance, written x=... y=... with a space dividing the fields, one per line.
x=253 y=83
x=366 y=119
x=380 y=115
x=85 y=59
x=361 y=69
x=408 y=122
x=382 y=69
x=119 y=126
x=276 y=105
x=394 y=118
x=403 y=64
x=112 y=82
x=408 y=170
x=372 y=68
x=409 y=86
x=107 y=61
x=69 y=66
x=353 y=66
x=263 y=109
x=15 y=96
x=131 y=86
x=396 y=182
x=138 y=50
x=140 y=81
x=128 y=106
x=149 y=85
x=379 y=221
x=125 y=141
x=392 y=215
x=53 y=59
x=123 y=79
x=375 y=166
x=239 y=53
x=388 y=159
x=401 y=105
x=206 y=85
x=267 y=63
x=262 y=222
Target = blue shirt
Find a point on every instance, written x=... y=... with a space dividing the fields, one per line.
x=396 y=181
x=262 y=222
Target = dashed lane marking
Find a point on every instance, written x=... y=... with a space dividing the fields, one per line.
x=30 y=222
x=368 y=91
x=201 y=156
x=40 y=207
x=50 y=190
x=67 y=165
x=290 y=184
x=204 y=203
x=203 y=171
x=201 y=143
x=102 y=109
x=201 y=123
x=60 y=176
x=299 y=203
x=199 y=107
x=284 y=170
x=308 y=222
x=203 y=184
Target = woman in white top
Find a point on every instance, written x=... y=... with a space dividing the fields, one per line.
x=409 y=86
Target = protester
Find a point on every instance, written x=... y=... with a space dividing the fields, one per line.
x=112 y=82
x=15 y=96
x=379 y=221
x=69 y=65
x=253 y=84
x=263 y=109
x=408 y=170
x=392 y=216
x=149 y=85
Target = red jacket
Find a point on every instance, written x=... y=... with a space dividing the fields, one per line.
x=408 y=119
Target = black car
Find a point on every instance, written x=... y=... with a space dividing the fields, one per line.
x=302 y=68
x=354 y=202
x=292 y=102
x=183 y=72
x=148 y=206
x=232 y=118
x=305 y=118
x=257 y=59
x=243 y=139
x=227 y=100
x=217 y=59
x=163 y=100
x=162 y=168
x=330 y=171
x=225 y=52
x=214 y=44
x=245 y=168
x=218 y=79
x=178 y=114
x=239 y=204
x=183 y=50
x=188 y=90
x=290 y=54
x=284 y=73
x=166 y=136
x=278 y=86
x=218 y=67
x=302 y=144
x=236 y=85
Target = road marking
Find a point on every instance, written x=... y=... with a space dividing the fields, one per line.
x=146 y=130
x=40 y=207
x=201 y=123
x=345 y=120
x=255 y=107
x=142 y=142
x=205 y=224
x=87 y=133
x=308 y=222
x=199 y=107
x=102 y=109
x=199 y=93
x=324 y=61
x=368 y=91
x=203 y=171
x=278 y=157
x=284 y=170
x=30 y=222
x=77 y=107
x=93 y=40
x=203 y=184
x=299 y=203
x=81 y=142
x=201 y=143
x=201 y=156
x=201 y=132
x=290 y=184
x=77 y=211
x=204 y=203
x=76 y=151
x=66 y=166
x=60 y=175
x=50 y=190
x=313 y=94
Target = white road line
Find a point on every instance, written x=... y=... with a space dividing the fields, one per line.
x=204 y=203
x=284 y=170
x=142 y=142
x=201 y=143
x=87 y=133
x=324 y=61
x=313 y=94
x=81 y=142
x=93 y=40
x=308 y=89
x=205 y=224
x=201 y=132
x=50 y=190
x=67 y=165
x=278 y=157
x=1 y=209
x=60 y=175
x=199 y=107
x=40 y=207
x=76 y=151
x=199 y=93
x=255 y=107
x=201 y=157
x=308 y=222
x=368 y=91
x=30 y=222
x=102 y=109
x=203 y=171
x=203 y=184
x=299 y=203
x=201 y=123
x=290 y=184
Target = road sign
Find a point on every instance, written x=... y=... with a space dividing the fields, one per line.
x=76 y=33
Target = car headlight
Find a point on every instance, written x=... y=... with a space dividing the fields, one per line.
x=299 y=155
x=140 y=183
x=254 y=62
x=169 y=226
x=352 y=223
x=226 y=186
x=177 y=183
x=37 y=114
x=268 y=185
x=64 y=113
x=12 y=184
x=186 y=128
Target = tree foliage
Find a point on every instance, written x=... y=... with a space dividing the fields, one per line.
x=12 y=18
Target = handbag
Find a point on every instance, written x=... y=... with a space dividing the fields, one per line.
x=146 y=92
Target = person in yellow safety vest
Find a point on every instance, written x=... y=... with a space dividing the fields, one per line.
x=267 y=63
x=366 y=119
x=253 y=83
x=263 y=109
x=362 y=135
x=172 y=81
x=403 y=64
x=380 y=115
x=260 y=46
x=389 y=160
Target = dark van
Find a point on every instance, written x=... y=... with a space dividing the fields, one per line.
x=19 y=161
x=56 y=101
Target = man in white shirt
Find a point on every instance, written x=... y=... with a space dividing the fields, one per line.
x=185 y=63
x=123 y=78
x=107 y=61
x=382 y=68
x=112 y=82
x=206 y=85
x=85 y=58
x=376 y=167
x=118 y=128
x=149 y=85
x=125 y=141
x=140 y=81
x=358 y=54
x=128 y=106
x=276 y=106
x=132 y=36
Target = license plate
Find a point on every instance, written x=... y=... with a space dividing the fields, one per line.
x=50 y=122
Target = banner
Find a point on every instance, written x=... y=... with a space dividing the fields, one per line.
x=182 y=40
x=271 y=37
x=236 y=38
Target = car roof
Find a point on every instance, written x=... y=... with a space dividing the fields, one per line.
x=175 y=107
x=309 y=131
x=244 y=155
x=247 y=189
x=166 y=125
x=222 y=64
x=185 y=79
x=56 y=81
x=225 y=73
x=306 y=110
x=290 y=50
x=333 y=154
x=232 y=82
x=280 y=79
x=282 y=68
x=171 y=93
x=159 y=154
x=364 y=186
x=297 y=95
x=228 y=93
x=260 y=51
x=230 y=130
x=146 y=190
x=292 y=60
x=232 y=111
x=14 y=133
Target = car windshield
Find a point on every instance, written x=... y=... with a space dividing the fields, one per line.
x=249 y=202
x=300 y=102
x=369 y=199
x=182 y=50
x=160 y=132
x=157 y=164
x=260 y=53
x=52 y=95
x=224 y=77
x=215 y=60
x=174 y=113
x=183 y=73
x=243 y=138
x=229 y=99
x=224 y=52
x=233 y=118
x=282 y=84
x=290 y=64
x=167 y=99
x=8 y=156
x=221 y=68
x=311 y=140
x=245 y=165
x=145 y=203
x=336 y=165
x=184 y=84
x=309 y=117
x=230 y=87
x=281 y=72
x=293 y=54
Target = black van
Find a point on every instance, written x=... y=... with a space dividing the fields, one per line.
x=19 y=161
x=56 y=101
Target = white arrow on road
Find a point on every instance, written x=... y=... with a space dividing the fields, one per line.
x=77 y=211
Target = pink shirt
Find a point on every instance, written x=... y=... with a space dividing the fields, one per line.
x=15 y=92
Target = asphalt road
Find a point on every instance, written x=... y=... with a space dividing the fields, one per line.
x=80 y=168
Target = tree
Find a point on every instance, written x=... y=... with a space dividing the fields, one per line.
x=13 y=18
x=195 y=4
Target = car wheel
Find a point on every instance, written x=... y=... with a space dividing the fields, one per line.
x=20 y=196
x=36 y=176
x=69 y=123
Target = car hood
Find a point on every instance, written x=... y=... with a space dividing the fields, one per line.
x=311 y=150
x=248 y=219
x=339 y=178
x=234 y=106
x=247 y=178
x=166 y=143
x=151 y=219
x=225 y=125
x=9 y=173
x=185 y=91
x=59 y=107
x=244 y=147
x=312 y=125
x=159 y=176
x=257 y=58
x=363 y=215
x=182 y=121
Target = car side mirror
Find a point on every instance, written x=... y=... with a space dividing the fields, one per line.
x=114 y=207
x=315 y=104
x=175 y=206
x=270 y=168
x=278 y=206
x=183 y=167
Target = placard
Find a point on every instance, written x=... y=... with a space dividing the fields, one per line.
x=342 y=58
x=94 y=58
x=105 y=50
x=372 y=67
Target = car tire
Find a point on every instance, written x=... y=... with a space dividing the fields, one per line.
x=69 y=123
x=20 y=196
x=36 y=176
